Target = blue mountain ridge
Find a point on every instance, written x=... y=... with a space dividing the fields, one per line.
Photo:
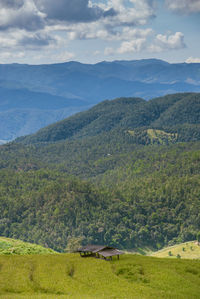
x=33 y=96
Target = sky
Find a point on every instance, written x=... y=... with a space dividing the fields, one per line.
x=89 y=31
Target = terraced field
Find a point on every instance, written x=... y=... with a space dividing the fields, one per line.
x=69 y=276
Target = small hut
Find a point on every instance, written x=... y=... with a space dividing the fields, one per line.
x=99 y=251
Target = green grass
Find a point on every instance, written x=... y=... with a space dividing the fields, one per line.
x=69 y=276
x=161 y=136
x=187 y=250
x=157 y=136
x=12 y=247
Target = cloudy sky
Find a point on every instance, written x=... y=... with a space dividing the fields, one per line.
x=48 y=31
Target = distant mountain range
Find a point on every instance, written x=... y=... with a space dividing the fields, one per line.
x=33 y=96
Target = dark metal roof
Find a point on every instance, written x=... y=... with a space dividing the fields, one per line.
x=110 y=252
x=103 y=250
x=91 y=248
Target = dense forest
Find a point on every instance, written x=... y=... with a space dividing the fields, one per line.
x=124 y=173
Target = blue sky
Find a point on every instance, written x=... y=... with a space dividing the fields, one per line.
x=89 y=31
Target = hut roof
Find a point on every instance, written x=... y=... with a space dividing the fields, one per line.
x=103 y=250
x=91 y=248
x=110 y=252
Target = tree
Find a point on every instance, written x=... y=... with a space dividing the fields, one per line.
x=198 y=237
x=73 y=244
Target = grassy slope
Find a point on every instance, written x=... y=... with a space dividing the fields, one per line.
x=187 y=250
x=10 y=246
x=69 y=276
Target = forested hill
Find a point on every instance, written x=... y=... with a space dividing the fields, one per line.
x=149 y=197
x=33 y=96
x=178 y=114
x=124 y=173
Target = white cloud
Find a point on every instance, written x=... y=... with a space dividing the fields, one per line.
x=96 y=53
x=164 y=42
x=132 y=12
x=5 y=57
x=15 y=4
x=24 y=16
x=63 y=56
x=7 y=42
x=95 y=31
x=148 y=41
x=33 y=25
x=32 y=15
x=37 y=40
x=21 y=39
x=184 y=6
x=73 y=11
x=81 y=19
x=109 y=51
x=118 y=26
x=86 y=31
x=129 y=33
x=132 y=46
x=193 y=60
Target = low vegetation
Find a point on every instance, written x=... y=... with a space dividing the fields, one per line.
x=16 y=247
x=69 y=276
x=187 y=250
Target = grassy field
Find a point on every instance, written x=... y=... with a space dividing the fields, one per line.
x=161 y=136
x=69 y=276
x=10 y=246
x=188 y=250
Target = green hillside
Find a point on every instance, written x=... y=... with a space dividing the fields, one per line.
x=187 y=250
x=149 y=197
x=69 y=276
x=127 y=113
x=118 y=174
x=16 y=247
